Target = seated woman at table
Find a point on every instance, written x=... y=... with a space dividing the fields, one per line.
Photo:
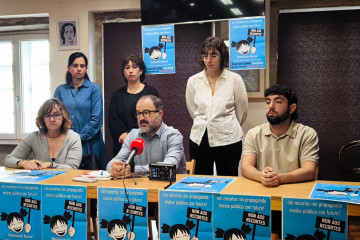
x=55 y=145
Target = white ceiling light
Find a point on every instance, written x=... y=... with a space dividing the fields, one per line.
x=236 y=11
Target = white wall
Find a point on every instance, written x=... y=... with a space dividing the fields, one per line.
x=83 y=9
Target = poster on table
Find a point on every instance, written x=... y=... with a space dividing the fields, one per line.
x=202 y=184
x=64 y=212
x=27 y=176
x=159 y=49
x=185 y=215
x=242 y=217
x=247 y=43
x=20 y=208
x=336 y=192
x=314 y=219
x=122 y=213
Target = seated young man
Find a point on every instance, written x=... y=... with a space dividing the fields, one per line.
x=280 y=151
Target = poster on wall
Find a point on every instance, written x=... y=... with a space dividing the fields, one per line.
x=64 y=212
x=185 y=215
x=247 y=43
x=159 y=49
x=319 y=219
x=122 y=214
x=20 y=208
x=250 y=217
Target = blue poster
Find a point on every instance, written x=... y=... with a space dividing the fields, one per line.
x=202 y=184
x=20 y=208
x=28 y=176
x=336 y=192
x=64 y=212
x=318 y=219
x=185 y=215
x=247 y=43
x=159 y=49
x=242 y=217
x=122 y=213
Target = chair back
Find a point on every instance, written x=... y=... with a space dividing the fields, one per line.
x=190 y=167
x=349 y=161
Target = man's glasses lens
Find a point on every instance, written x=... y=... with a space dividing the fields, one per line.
x=55 y=116
x=145 y=114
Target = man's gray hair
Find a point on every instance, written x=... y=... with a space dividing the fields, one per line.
x=156 y=101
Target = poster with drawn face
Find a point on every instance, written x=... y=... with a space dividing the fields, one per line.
x=122 y=214
x=64 y=212
x=247 y=43
x=159 y=49
x=185 y=215
x=20 y=211
x=241 y=217
x=320 y=219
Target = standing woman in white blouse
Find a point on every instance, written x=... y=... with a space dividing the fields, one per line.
x=217 y=101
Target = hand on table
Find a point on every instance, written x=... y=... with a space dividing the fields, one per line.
x=117 y=169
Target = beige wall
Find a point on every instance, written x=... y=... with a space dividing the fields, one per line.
x=83 y=10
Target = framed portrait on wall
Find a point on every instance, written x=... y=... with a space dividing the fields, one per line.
x=254 y=80
x=68 y=33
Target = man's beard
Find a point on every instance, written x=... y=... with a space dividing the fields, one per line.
x=151 y=128
x=278 y=119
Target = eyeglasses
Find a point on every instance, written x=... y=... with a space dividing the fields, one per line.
x=212 y=57
x=47 y=117
x=145 y=113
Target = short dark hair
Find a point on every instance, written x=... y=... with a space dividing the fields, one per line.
x=46 y=108
x=138 y=61
x=287 y=92
x=214 y=43
x=71 y=59
x=156 y=101
x=63 y=31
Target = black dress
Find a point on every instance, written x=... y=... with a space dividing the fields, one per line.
x=122 y=112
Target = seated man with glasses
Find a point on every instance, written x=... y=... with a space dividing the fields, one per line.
x=162 y=143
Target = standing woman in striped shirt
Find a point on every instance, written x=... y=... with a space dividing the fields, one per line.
x=217 y=102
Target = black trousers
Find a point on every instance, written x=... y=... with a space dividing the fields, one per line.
x=226 y=157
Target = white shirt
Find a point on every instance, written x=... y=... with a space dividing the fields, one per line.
x=222 y=113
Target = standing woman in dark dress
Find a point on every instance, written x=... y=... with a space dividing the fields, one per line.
x=123 y=101
x=83 y=101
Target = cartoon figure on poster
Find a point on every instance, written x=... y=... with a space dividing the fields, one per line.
x=180 y=231
x=247 y=43
x=233 y=233
x=117 y=229
x=15 y=221
x=132 y=223
x=318 y=235
x=59 y=224
x=249 y=225
x=155 y=52
x=244 y=46
x=159 y=49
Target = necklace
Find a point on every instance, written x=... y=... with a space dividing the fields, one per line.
x=53 y=138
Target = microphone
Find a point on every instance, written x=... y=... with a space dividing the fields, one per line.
x=136 y=147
